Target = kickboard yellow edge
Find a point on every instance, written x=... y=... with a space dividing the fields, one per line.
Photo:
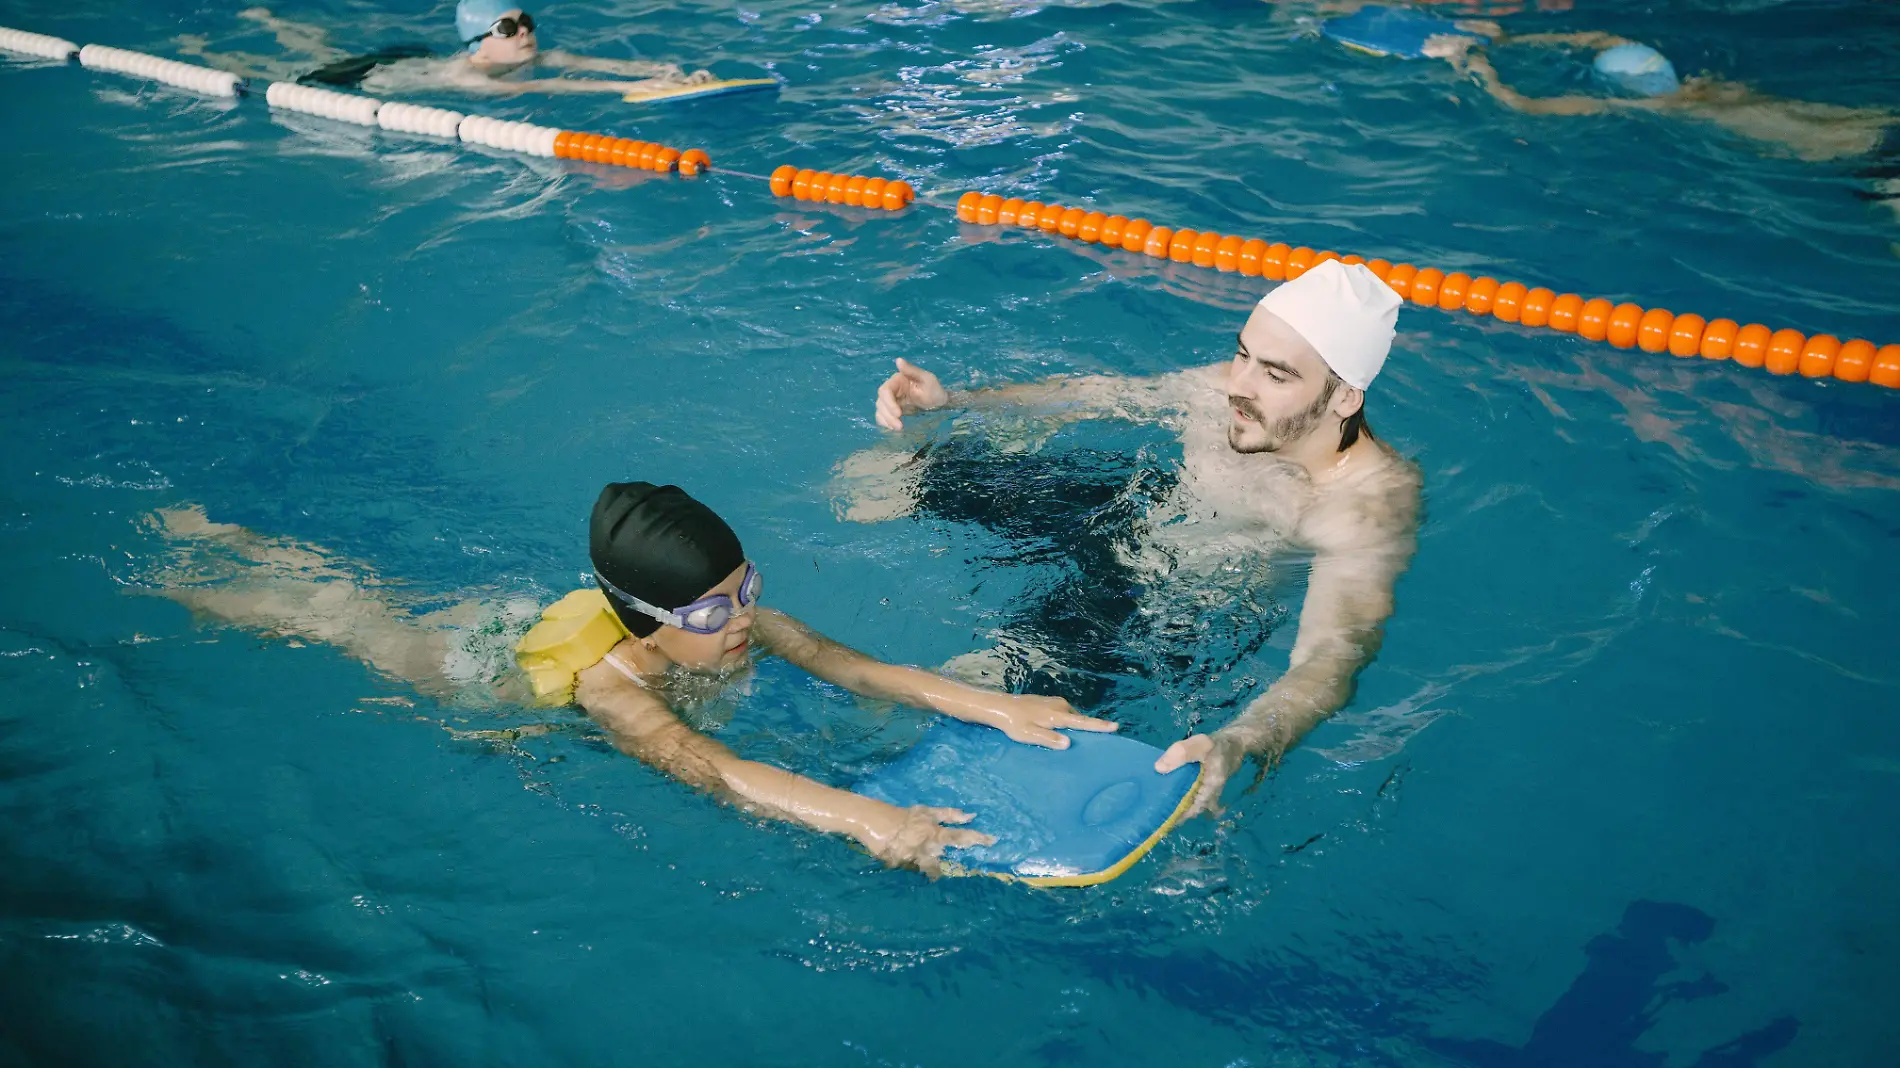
x=707 y=88
x=1113 y=871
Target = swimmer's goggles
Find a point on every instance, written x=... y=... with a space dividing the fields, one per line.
x=506 y=26
x=708 y=615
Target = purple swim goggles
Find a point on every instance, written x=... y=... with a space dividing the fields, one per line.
x=708 y=615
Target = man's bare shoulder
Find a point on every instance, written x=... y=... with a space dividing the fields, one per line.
x=1374 y=509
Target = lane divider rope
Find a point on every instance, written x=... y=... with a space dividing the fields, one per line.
x=183 y=75
x=37 y=44
x=1623 y=325
x=855 y=190
x=323 y=103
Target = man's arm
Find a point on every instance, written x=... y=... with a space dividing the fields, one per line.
x=1024 y=717
x=1363 y=547
x=643 y=727
x=1342 y=624
x=1068 y=398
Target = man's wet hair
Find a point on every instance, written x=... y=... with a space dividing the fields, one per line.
x=1353 y=425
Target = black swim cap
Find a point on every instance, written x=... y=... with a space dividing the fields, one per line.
x=660 y=545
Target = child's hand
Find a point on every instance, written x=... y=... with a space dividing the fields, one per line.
x=1033 y=720
x=916 y=837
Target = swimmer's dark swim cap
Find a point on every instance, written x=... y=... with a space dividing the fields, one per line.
x=660 y=545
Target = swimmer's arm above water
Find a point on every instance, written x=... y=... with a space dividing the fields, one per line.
x=643 y=727
x=1586 y=39
x=1342 y=623
x=1024 y=717
x=1487 y=76
x=502 y=87
x=1465 y=58
x=628 y=68
x=913 y=389
x=1349 y=596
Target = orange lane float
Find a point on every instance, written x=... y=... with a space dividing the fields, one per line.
x=626 y=152
x=1718 y=339
x=1855 y=359
x=855 y=190
x=1751 y=345
x=1626 y=325
x=1886 y=367
x=1508 y=305
x=1654 y=328
x=1685 y=335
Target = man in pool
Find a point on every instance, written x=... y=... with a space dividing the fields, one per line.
x=676 y=616
x=496 y=53
x=1276 y=449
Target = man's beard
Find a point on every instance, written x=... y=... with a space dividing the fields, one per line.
x=1282 y=432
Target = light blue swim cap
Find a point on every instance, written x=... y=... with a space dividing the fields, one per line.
x=1635 y=68
x=473 y=17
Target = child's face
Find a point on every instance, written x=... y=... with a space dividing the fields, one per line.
x=515 y=48
x=719 y=651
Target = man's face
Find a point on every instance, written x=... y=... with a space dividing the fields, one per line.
x=1278 y=389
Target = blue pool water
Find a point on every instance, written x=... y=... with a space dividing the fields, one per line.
x=1620 y=789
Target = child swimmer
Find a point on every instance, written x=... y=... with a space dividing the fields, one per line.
x=676 y=612
x=496 y=56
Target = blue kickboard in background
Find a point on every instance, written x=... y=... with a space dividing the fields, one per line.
x=1389 y=31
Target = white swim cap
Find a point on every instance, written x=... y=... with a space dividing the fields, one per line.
x=1345 y=313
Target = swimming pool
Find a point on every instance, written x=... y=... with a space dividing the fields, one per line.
x=1618 y=790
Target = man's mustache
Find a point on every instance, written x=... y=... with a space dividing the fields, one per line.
x=1247 y=408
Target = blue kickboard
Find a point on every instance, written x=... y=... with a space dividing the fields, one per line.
x=1389 y=31
x=1069 y=817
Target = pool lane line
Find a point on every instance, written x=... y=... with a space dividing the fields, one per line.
x=854 y=190
x=38 y=44
x=170 y=71
x=523 y=137
x=627 y=152
x=1625 y=325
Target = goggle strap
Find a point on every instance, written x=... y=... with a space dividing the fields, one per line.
x=525 y=22
x=671 y=619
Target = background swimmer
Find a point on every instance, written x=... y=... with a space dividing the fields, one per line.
x=679 y=583
x=1807 y=129
x=497 y=52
